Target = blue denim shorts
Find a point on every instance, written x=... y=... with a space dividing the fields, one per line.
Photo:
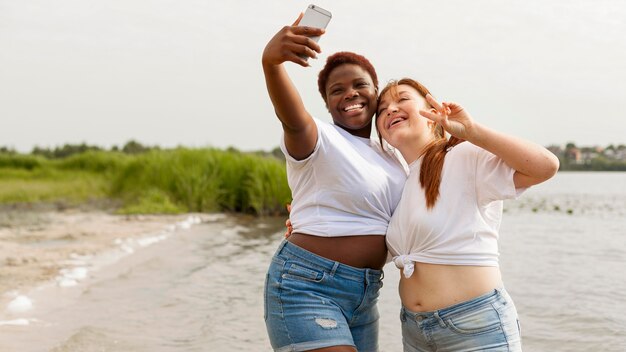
x=488 y=322
x=312 y=302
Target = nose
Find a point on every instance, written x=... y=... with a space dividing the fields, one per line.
x=351 y=94
x=391 y=109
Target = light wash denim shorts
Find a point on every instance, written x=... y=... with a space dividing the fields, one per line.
x=485 y=323
x=312 y=302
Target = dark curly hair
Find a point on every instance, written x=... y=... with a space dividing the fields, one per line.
x=341 y=58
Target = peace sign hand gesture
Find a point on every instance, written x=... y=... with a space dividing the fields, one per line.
x=452 y=116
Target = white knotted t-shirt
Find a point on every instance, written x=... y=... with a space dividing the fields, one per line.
x=462 y=227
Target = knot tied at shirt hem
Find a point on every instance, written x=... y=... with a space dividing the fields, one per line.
x=405 y=263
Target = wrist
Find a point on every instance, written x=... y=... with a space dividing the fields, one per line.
x=269 y=67
x=475 y=133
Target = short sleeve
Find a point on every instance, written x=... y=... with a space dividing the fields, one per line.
x=298 y=163
x=494 y=178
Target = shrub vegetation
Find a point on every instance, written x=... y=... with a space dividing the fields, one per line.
x=148 y=180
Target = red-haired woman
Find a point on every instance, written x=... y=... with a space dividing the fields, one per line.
x=444 y=233
x=323 y=282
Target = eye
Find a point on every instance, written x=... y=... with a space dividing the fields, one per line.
x=336 y=91
x=380 y=112
x=362 y=84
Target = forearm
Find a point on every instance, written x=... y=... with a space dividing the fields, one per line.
x=287 y=102
x=533 y=162
x=299 y=127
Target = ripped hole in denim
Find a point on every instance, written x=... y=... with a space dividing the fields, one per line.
x=326 y=323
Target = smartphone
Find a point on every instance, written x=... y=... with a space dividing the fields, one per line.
x=315 y=17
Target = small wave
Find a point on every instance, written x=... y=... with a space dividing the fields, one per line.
x=20 y=304
x=15 y=322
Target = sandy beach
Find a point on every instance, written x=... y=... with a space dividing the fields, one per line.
x=36 y=245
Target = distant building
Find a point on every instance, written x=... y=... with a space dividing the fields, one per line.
x=575 y=155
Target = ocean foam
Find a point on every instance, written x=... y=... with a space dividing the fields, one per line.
x=77 y=265
x=15 y=322
x=20 y=304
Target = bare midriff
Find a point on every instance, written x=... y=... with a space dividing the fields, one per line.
x=360 y=251
x=435 y=286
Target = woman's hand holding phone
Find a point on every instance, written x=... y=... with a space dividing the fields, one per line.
x=294 y=43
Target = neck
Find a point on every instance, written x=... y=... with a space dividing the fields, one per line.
x=363 y=132
x=415 y=147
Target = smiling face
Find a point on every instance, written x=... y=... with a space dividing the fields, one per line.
x=351 y=99
x=398 y=118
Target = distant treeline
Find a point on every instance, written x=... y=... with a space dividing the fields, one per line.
x=146 y=179
x=131 y=147
x=574 y=158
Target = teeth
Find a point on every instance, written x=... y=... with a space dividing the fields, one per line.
x=353 y=107
x=396 y=120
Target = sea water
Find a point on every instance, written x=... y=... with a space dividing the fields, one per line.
x=563 y=257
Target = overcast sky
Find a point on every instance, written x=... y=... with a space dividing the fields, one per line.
x=188 y=73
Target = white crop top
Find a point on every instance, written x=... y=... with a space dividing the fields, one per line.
x=347 y=186
x=462 y=227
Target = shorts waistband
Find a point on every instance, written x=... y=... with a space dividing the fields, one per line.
x=287 y=248
x=459 y=307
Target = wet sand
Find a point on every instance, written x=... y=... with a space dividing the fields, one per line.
x=36 y=245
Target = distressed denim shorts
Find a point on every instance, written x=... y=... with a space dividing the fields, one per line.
x=486 y=323
x=312 y=302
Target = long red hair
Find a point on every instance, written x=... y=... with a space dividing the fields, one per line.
x=434 y=153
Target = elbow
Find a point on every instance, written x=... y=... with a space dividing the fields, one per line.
x=550 y=167
x=556 y=164
x=543 y=170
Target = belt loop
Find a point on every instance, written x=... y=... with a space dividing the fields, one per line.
x=334 y=269
x=281 y=246
x=439 y=320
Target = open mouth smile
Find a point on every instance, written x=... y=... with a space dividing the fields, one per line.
x=395 y=121
x=354 y=107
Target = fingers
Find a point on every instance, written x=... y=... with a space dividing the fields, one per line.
x=434 y=103
x=289 y=228
x=298 y=20
x=438 y=113
x=298 y=59
x=288 y=222
x=308 y=31
x=308 y=42
x=446 y=108
x=433 y=116
x=454 y=107
x=443 y=108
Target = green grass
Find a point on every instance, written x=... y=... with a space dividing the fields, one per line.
x=49 y=185
x=159 y=181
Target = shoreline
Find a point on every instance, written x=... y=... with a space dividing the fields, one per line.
x=60 y=247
